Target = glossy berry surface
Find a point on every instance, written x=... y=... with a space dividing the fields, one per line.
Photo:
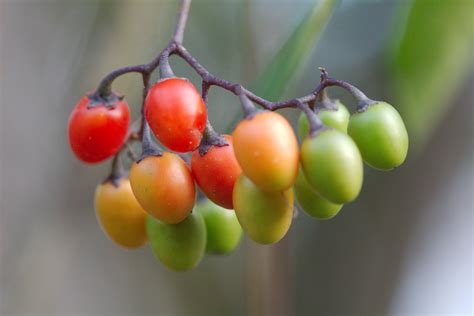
x=267 y=151
x=223 y=228
x=96 y=131
x=164 y=187
x=250 y=180
x=381 y=135
x=216 y=172
x=180 y=247
x=264 y=216
x=176 y=114
x=119 y=214
x=332 y=165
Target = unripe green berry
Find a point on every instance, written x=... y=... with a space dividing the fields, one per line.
x=311 y=202
x=381 y=136
x=223 y=228
x=179 y=246
x=333 y=166
x=264 y=216
x=336 y=118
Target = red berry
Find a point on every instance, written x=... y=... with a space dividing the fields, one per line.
x=216 y=172
x=96 y=130
x=176 y=114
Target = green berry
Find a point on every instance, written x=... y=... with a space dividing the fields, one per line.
x=333 y=166
x=381 y=136
x=338 y=119
x=311 y=202
x=264 y=216
x=179 y=246
x=223 y=228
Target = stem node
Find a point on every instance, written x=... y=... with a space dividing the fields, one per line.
x=211 y=138
x=117 y=172
x=149 y=147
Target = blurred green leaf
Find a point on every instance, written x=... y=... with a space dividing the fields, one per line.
x=291 y=57
x=429 y=58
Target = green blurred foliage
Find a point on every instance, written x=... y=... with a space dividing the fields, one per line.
x=429 y=57
x=291 y=57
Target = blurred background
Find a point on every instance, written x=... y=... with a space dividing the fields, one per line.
x=405 y=247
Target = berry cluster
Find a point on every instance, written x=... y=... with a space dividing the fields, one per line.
x=255 y=171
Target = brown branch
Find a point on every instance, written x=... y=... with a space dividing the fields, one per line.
x=181 y=21
x=175 y=47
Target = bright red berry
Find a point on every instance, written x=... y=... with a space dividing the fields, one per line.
x=176 y=114
x=97 y=130
x=216 y=172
